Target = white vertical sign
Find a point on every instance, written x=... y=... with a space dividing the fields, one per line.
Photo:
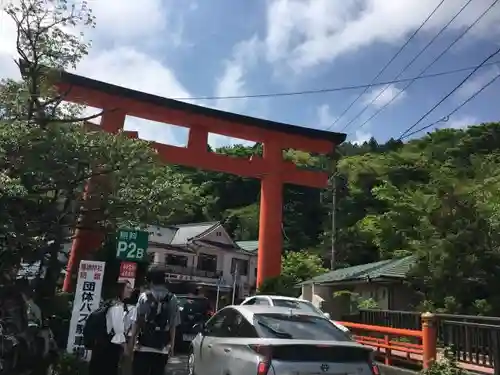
x=87 y=299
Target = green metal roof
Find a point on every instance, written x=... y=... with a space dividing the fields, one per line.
x=248 y=245
x=390 y=268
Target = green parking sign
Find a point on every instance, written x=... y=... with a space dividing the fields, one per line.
x=131 y=245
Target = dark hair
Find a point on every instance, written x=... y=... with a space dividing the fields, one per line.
x=134 y=297
x=119 y=288
x=156 y=277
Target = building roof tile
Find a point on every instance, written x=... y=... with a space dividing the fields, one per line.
x=390 y=268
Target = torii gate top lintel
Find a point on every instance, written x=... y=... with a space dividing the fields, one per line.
x=106 y=96
x=118 y=102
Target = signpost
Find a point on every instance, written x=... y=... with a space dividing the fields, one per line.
x=87 y=299
x=220 y=280
x=128 y=271
x=132 y=245
x=235 y=283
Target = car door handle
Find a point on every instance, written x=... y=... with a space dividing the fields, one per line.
x=209 y=346
x=227 y=350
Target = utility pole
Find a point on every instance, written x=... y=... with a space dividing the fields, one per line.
x=334 y=228
x=333 y=235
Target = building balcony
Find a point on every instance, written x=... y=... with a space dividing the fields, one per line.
x=187 y=271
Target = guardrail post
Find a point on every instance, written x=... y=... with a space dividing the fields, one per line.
x=495 y=351
x=429 y=339
x=387 y=342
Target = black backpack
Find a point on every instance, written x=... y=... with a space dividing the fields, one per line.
x=153 y=332
x=95 y=331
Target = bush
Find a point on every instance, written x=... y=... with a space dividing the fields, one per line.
x=446 y=366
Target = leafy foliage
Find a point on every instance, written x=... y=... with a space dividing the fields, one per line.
x=296 y=267
x=445 y=366
x=59 y=173
x=435 y=198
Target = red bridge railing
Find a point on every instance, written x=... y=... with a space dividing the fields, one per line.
x=400 y=344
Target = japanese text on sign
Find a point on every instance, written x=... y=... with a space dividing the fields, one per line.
x=87 y=299
x=132 y=245
x=128 y=269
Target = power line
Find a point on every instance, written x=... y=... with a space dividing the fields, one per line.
x=459 y=37
x=448 y=95
x=443 y=29
x=447 y=117
x=334 y=89
x=388 y=63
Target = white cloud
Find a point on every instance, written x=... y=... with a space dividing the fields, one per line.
x=325 y=117
x=232 y=80
x=361 y=137
x=476 y=82
x=305 y=33
x=383 y=95
x=232 y=83
x=462 y=122
x=125 y=33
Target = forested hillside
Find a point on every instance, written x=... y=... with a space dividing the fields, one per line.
x=436 y=197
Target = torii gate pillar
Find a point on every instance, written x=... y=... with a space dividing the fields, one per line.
x=271 y=169
x=271 y=216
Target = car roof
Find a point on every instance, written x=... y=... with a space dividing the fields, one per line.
x=248 y=311
x=280 y=298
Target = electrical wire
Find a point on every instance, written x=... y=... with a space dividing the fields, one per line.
x=448 y=95
x=457 y=39
x=447 y=117
x=335 y=89
x=440 y=32
x=388 y=63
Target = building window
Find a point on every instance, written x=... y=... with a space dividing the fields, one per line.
x=207 y=262
x=176 y=260
x=242 y=265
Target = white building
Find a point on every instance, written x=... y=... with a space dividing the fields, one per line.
x=204 y=253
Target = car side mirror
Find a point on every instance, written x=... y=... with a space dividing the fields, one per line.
x=327 y=315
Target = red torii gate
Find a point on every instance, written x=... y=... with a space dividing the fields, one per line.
x=118 y=102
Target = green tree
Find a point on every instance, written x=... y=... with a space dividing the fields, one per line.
x=48 y=152
x=296 y=267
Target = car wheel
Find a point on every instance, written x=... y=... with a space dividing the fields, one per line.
x=190 y=362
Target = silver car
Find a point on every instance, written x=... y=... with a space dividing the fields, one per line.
x=258 y=340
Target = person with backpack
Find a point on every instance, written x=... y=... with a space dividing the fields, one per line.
x=104 y=333
x=153 y=331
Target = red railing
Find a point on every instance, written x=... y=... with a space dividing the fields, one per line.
x=388 y=341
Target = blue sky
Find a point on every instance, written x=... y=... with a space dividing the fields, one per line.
x=194 y=48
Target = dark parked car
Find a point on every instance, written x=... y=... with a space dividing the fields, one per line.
x=193 y=310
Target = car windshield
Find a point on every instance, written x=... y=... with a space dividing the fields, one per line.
x=193 y=305
x=300 y=327
x=294 y=304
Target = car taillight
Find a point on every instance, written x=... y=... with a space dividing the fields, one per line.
x=263 y=368
x=375 y=369
x=265 y=363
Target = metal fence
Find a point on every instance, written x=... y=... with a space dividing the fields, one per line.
x=473 y=343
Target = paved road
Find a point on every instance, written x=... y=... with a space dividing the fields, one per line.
x=177 y=365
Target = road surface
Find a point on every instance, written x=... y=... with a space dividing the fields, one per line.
x=177 y=365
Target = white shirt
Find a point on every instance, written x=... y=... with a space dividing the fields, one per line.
x=115 y=322
x=130 y=318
